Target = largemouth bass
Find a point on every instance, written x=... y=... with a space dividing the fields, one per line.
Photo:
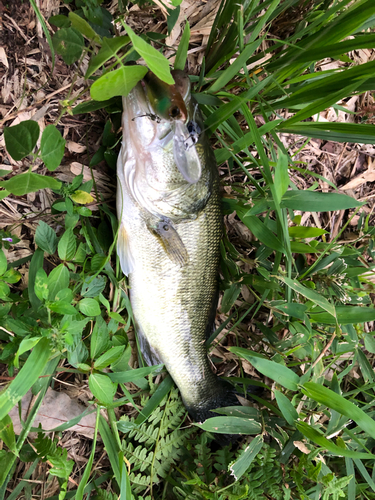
x=170 y=229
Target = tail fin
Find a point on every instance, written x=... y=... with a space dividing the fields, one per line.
x=225 y=395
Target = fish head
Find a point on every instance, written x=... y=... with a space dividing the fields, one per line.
x=164 y=154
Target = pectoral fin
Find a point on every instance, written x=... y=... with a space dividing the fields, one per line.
x=123 y=251
x=171 y=242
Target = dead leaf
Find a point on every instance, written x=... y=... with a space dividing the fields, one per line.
x=3 y=57
x=74 y=147
x=57 y=409
x=359 y=180
x=301 y=446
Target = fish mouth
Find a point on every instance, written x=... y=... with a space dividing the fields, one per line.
x=158 y=117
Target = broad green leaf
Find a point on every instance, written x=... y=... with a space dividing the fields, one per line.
x=314 y=201
x=26 y=378
x=231 y=425
x=12 y=276
x=102 y=387
x=315 y=297
x=20 y=139
x=62 y=308
x=287 y=409
x=109 y=357
x=60 y=21
x=4 y=290
x=243 y=462
x=65 y=295
x=89 y=307
x=293 y=309
x=280 y=373
x=3 y=262
x=67 y=245
x=7 y=433
x=299 y=247
x=117 y=82
x=90 y=106
x=157 y=63
x=261 y=231
x=81 y=197
x=131 y=375
x=52 y=147
x=305 y=232
x=35 y=264
x=281 y=178
x=230 y=296
x=318 y=438
x=45 y=238
x=41 y=284
x=25 y=345
x=109 y=48
x=346 y=315
x=181 y=54
x=116 y=316
x=28 y=183
x=340 y=404
x=83 y=27
x=69 y=44
x=369 y=342
x=93 y=287
x=58 y=279
x=3 y=194
x=99 y=338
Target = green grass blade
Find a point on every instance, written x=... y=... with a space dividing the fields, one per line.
x=46 y=32
x=181 y=54
x=278 y=372
x=332 y=131
x=318 y=438
x=243 y=462
x=155 y=399
x=27 y=376
x=86 y=474
x=235 y=67
x=340 y=404
x=111 y=447
x=227 y=110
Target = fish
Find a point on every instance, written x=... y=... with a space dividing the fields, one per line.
x=170 y=227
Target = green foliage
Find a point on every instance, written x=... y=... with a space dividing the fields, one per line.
x=314 y=438
x=58 y=458
x=154 y=446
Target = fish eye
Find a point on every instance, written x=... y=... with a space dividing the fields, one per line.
x=165 y=227
x=174 y=112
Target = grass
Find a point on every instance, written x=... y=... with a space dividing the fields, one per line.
x=298 y=301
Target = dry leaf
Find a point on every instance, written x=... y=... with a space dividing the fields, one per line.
x=57 y=408
x=3 y=57
x=74 y=147
x=359 y=180
x=301 y=446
